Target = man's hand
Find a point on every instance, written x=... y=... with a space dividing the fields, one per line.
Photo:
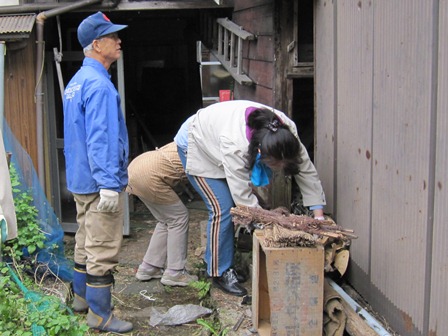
x=108 y=201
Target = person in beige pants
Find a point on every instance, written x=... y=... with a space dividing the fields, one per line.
x=96 y=151
x=153 y=178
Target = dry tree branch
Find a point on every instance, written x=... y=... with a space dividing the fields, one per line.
x=248 y=216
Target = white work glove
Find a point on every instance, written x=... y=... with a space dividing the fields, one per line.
x=108 y=201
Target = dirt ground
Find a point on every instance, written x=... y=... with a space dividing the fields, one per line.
x=134 y=300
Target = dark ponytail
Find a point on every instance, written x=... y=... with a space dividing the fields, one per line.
x=274 y=140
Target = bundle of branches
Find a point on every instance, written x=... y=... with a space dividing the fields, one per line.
x=283 y=229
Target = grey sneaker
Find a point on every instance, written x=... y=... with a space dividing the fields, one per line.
x=182 y=278
x=145 y=275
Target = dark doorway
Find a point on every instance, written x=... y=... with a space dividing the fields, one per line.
x=303 y=107
x=160 y=79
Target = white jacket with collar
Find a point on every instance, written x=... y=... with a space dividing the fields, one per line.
x=217 y=146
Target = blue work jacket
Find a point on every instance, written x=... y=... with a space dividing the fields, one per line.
x=96 y=144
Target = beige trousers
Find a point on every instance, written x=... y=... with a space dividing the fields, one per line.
x=99 y=235
x=168 y=245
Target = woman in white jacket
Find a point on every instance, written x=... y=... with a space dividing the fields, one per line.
x=228 y=147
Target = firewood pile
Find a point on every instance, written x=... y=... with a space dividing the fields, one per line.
x=283 y=229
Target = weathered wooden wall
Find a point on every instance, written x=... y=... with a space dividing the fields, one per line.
x=381 y=127
x=20 y=83
x=257 y=17
x=284 y=35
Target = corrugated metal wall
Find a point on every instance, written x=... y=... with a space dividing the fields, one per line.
x=439 y=263
x=381 y=150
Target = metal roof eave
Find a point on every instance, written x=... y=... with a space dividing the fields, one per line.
x=16 y=27
x=14 y=37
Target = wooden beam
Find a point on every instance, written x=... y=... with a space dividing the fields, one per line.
x=355 y=325
x=154 y=5
x=122 y=6
x=305 y=71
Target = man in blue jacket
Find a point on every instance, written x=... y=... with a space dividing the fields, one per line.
x=96 y=151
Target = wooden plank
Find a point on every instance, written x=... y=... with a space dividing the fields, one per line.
x=263 y=286
x=301 y=72
x=257 y=17
x=260 y=72
x=287 y=289
x=255 y=280
x=261 y=311
x=295 y=279
x=256 y=93
x=247 y=4
x=20 y=109
x=258 y=21
x=153 y=5
x=283 y=26
x=125 y=5
x=355 y=325
x=262 y=49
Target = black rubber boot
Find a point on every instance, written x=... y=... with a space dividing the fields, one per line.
x=98 y=296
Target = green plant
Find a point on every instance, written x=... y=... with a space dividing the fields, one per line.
x=213 y=327
x=203 y=288
x=29 y=236
x=18 y=319
x=200 y=268
x=21 y=313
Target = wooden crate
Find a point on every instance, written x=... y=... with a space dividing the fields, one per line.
x=287 y=289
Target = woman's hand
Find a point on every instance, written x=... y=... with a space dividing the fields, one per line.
x=319 y=214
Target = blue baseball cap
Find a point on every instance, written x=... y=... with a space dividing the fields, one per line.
x=95 y=26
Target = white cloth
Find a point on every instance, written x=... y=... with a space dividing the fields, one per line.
x=7 y=209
